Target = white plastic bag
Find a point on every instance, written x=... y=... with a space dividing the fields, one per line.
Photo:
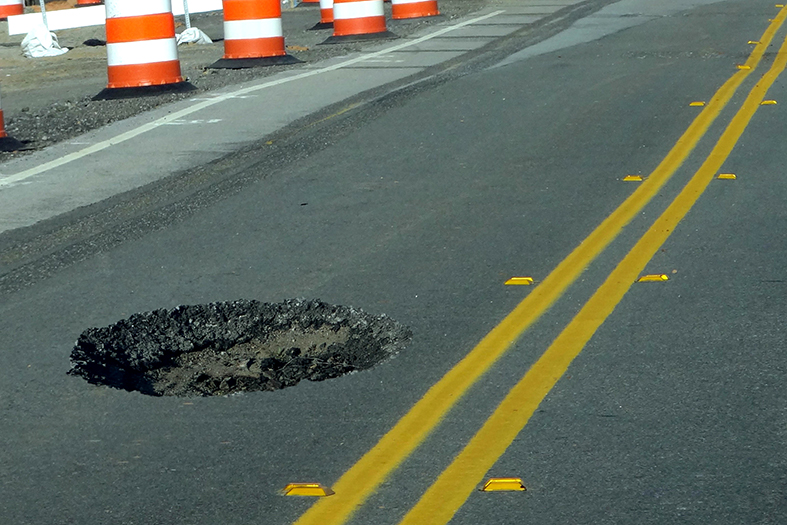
x=193 y=35
x=40 y=42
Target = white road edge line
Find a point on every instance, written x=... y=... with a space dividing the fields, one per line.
x=128 y=135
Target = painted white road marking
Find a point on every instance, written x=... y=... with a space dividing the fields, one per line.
x=188 y=122
x=128 y=135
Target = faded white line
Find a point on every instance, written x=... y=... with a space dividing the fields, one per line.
x=128 y=135
x=190 y=122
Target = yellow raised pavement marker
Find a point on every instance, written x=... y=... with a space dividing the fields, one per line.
x=307 y=489
x=654 y=278
x=632 y=178
x=768 y=103
x=727 y=176
x=463 y=477
x=697 y=104
x=519 y=281
x=503 y=484
x=743 y=66
x=755 y=42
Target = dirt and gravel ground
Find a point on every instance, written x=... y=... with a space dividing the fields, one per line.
x=48 y=100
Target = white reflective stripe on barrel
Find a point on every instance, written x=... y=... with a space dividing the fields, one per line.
x=142 y=52
x=365 y=8
x=124 y=8
x=245 y=29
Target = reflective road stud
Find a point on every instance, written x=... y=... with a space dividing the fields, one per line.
x=307 y=489
x=253 y=35
x=727 y=176
x=11 y=8
x=401 y=9
x=355 y=20
x=503 y=484
x=632 y=178
x=655 y=278
x=519 y=281
x=142 y=52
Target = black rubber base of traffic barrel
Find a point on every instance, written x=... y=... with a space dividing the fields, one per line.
x=322 y=25
x=365 y=37
x=144 y=91
x=11 y=144
x=245 y=63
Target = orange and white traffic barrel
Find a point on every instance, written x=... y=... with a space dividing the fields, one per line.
x=358 y=20
x=83 y=3
x=326 y=15
x=142 y=51
x=3 y=134
x=7 y=143
x=401 y=9
x=253 y=34
x=11 y=8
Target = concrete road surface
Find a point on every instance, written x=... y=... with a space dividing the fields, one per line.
x=416 y=182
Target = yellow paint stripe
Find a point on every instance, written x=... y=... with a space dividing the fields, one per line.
x=457 y=482
x=363 y=478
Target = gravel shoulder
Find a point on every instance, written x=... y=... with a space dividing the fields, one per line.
x=48 y=100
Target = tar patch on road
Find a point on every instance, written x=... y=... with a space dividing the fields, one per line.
x=231 y=347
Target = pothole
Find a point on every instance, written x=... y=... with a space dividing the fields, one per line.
x=231 y=347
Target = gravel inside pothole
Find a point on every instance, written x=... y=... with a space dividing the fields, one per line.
x=230 y=347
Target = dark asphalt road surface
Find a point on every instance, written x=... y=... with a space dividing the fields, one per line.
x=421 y=207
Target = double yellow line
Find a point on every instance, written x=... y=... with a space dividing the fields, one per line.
x=457 y=482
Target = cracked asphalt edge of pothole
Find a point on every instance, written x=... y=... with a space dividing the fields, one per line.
x=233 y=347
